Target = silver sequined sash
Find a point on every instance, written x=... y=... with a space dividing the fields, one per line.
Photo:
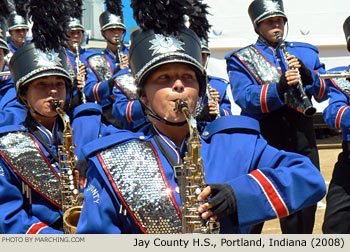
x=343 y=84
x=265 y=72
x=262 y=69
x=22 y=154
x=100 y=67
x=139 y=183
x=127 y=83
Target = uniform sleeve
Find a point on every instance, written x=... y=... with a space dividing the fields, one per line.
x=278 y=184
x=94 y=89
x=337 y=113
x=253 y=98
x=14 y=219
x=99 y=214
x=318 y=89
x=86 y=132
x=128 y=111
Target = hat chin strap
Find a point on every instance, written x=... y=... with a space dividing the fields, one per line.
x=36 y=112
x=157 y=117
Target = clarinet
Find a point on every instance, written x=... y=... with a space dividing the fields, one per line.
x=120 y=54
x=308 y=109
x=211 y=99
x=72 y=201
x=191 y=180
x=78 y=63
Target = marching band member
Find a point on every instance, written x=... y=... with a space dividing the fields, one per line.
x=337 y=215
x=100 y=84
x=267 y=83
x=30 y=189
x=76 y=53
x=11 y=110
x=18 y=29
x=132 y=187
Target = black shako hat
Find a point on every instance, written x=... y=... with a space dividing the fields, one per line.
x=75 y=23
x=4 y=13
x=45 y=55
x=346 y=28
x=113 y=17
x=3 y=44
x=260 y=10
x=164 y=38
x=15 y=22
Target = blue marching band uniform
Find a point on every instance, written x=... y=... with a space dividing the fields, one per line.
x=336 y=114
x=131 y=185
x=253 y=170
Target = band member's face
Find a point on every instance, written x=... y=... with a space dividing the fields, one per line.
x=43 y=90
x=19 y=36
x=270 y=26
x=2 y=61
x=113 y=33
x=75 y=37
x=168 y=84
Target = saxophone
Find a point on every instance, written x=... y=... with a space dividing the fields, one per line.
x=78 y=63
x=191 y=180
x=71 y=199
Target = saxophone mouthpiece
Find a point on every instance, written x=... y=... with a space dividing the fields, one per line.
x=180 y=105
x=55 y=103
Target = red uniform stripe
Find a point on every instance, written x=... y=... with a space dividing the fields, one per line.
x=128 y=112
x=271 y=193
x=322 y=88
x=96 y=92
x=339 y=116
x=36 y=228
x=226 y=113
x=263 y=101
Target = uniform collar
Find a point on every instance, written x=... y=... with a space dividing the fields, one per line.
x=175 y=151
x=266 y=47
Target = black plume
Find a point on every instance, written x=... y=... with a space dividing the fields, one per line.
x=163 y=16
x=198 y=19
x=4 y=9
x=22 y=7
x=50 y=22
x=114 y=7
x=77 y=9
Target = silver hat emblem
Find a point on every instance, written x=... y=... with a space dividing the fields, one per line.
x=271 y=6
x=162 y=44
x=47 y=58
x=114 y=19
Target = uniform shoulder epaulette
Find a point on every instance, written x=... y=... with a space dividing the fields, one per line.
x=230 y=54
x=95 y=54
x=302 y=44
x=239 y=124
x=218 y=79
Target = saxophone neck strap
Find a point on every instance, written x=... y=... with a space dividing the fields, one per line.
x=33 y=129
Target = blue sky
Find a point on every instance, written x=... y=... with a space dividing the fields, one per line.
x=128 y=19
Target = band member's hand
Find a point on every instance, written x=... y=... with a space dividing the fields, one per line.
x=306 y=75
x=82 y=69
x=292 y=77
x=125 y=62
x=222 y=201
x=80 y=82
x=293 y=62
x=215 y=94
x=80 y=173
x=213 y=107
